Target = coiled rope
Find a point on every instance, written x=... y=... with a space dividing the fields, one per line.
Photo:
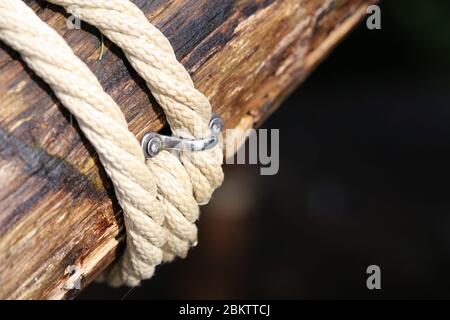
x=160 y=196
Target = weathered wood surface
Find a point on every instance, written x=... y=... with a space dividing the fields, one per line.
x=57 y=206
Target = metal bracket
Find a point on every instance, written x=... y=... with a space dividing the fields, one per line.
x=153 y=143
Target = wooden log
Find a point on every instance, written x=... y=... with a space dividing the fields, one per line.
x=57 y=206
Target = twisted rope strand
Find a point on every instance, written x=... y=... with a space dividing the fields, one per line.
x=185 y=180
x=103 y=123
x=160 y=199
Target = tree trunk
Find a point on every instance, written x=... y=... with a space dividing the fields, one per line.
x=57 y=205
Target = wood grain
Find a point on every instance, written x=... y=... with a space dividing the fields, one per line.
x=57 y=206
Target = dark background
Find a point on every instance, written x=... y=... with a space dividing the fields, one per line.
x=363 y=180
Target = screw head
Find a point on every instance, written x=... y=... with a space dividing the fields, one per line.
x=154 y=146
x=216 y=124
x=151 y=144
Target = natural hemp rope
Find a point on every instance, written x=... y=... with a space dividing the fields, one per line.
x=160 y=196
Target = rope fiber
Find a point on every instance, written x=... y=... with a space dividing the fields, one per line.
x=160 y=197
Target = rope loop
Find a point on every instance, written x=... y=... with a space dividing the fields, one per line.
x=160 y=195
